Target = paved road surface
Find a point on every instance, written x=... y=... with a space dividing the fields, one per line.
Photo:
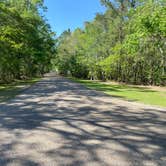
x=60 y=123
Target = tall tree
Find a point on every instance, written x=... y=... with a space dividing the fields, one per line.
x=26 y=41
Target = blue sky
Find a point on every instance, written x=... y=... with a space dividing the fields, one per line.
x=64 y=14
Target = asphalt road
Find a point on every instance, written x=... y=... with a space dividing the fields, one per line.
x=60 y=123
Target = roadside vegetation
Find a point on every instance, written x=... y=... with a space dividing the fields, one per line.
x=142 y=94
x=27 y=43
x=8 y=91
x=127 y=44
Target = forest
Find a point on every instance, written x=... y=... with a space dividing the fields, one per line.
x=127 y=44
x=27 y=43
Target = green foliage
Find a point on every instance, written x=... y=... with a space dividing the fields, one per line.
x=126 y=43
x=26 y=41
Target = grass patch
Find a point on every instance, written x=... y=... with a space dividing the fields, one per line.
x=9 y=91
x=133 y=93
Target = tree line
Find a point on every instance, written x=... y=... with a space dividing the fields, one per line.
x=27 y=43
x=127 y=43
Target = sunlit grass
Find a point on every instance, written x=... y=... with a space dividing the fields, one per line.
x=128 y=92
x=8 y=91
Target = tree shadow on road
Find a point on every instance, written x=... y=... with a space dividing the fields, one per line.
x=75 y=128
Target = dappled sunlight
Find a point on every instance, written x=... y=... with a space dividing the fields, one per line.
x=61 y=122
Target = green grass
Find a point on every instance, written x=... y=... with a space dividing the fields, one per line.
x=133 y=93
x=9 y=91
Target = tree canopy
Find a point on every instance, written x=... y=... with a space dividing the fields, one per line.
x=27 y=43
x=127 y=43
